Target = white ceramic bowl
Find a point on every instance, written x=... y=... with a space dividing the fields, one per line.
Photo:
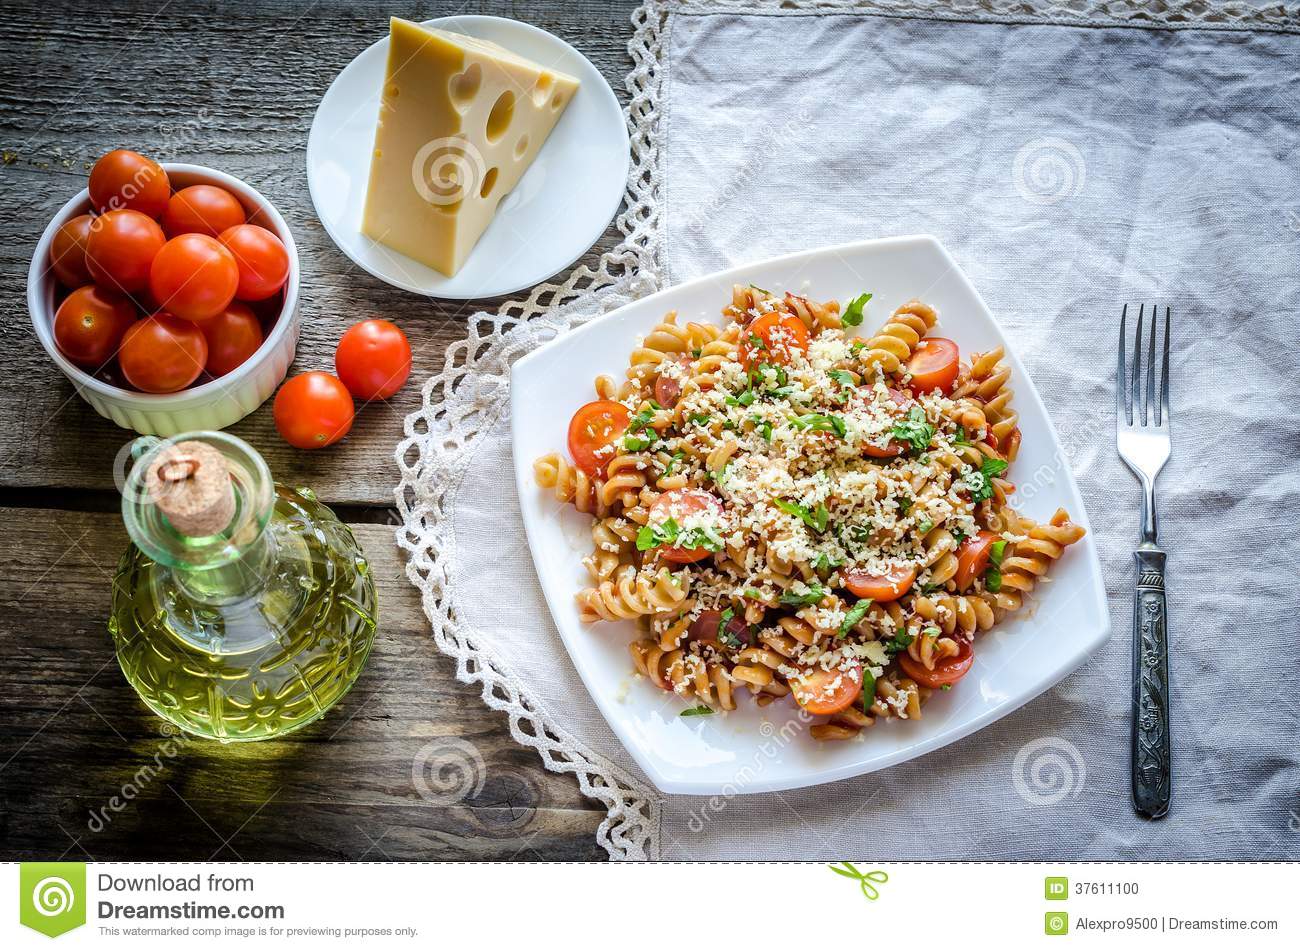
x=212 y=405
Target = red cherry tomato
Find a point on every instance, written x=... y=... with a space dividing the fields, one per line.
x=890 y=586
x=194 y=277
x=679 y=504
x=668 y=389
x=593 y=432
x=973 y=559
x=313 y=410
x=772 y=338
x=823 y=692
x=90 y=323
x=68 y=252
x=373 y=359
x=202 y=209
x=705 y=629
x=262 y=258
x=947 y=671
x=120 y=249
x=233 y=336
x=126 y=179
x=934 y=365
x=162 y=354
x=893 y=447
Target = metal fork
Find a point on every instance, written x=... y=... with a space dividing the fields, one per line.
x=1142 y=437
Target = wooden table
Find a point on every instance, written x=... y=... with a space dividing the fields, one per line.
x=232 y=86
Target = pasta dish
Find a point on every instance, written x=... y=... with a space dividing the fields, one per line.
x=789 y=509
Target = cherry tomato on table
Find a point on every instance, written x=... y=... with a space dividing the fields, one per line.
x=973 y=559
x=262 y=258
x=120 y=249
x=313 y=410
x=162 y=353
x=823 y=692
x=934 y=365
x=194 y=276
x=947 y=671
x=593 y=432
x=90 y=323
x=232 y=335
x=202 y=209
x=126 y=179
x=373 y=359
x=772 y=338
x=68 y=252
x=890 y=586
x=679 y=504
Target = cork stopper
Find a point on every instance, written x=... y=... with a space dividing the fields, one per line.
x=190 y=483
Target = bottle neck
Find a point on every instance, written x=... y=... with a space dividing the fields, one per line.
x=233 y=581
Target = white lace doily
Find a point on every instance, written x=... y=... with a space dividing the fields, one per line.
x=470 y=395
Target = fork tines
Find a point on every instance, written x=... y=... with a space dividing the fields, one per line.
x=1136 y=402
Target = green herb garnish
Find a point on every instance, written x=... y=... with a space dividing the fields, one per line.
x=820 y=423
x=916 y=430
x=853 y=313
x=814 y=594
x=670 y=534
x=699 y=419
x=981 y=483
x=900 y=642
x=815 y=519
x=725 y=636
x=855 y=614
x=700 y=711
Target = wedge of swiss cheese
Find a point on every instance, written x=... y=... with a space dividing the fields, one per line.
x=460 y=121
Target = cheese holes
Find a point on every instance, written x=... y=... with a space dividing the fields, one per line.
x=542 y=89
x=521 y=146
x=503 y=110
x=464 y=86
x=489 y=182
x=557 y=102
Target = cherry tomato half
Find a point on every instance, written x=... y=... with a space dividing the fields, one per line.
x=202 y=209
x=90 y=323
x=120 y=249
x=162 y=353
x=890 y=586
x=194 y=277
x=772 y=338
x=313 y=410
x=893 y=447
x=126 y=179
x=68 y=252
x=593 y=432
x=373 y=359
x=233 y=336
x=934 y=365
x=668 y=389
x=262 y=258
x=973 y=559
x=680 y=504
x=947 y=671
x=823 y=692
x=705 y=629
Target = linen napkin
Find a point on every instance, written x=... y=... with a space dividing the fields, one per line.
x=1071 y=160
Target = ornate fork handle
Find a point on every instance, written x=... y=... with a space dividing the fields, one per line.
x=1151 y=768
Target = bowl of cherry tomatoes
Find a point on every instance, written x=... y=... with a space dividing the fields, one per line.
x=167 y=294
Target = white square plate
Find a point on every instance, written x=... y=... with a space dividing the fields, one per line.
x=760 y=750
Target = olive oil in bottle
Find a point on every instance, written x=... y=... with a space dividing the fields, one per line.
x=243 y=609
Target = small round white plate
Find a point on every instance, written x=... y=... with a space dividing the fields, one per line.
x=558 y=210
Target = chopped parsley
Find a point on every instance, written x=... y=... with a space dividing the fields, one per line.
x=639 y=435
x=900 y=642
x=981 y=483
x=820 y=423
x=916 y=430
x=854 y=615
x=763 y=426
x=724 y=635
x=700 y=711
x=814 y=594
x=925 y=526
x=853 y=313
x=744 y=398
x=816 y=519
x=826 y=561
x=961 y=439
x=753 y=594
x=670 y=534
x=671 y=464
x=757 y=342
x=700 y=419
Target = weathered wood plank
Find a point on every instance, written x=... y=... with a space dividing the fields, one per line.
x=233 y=86
x=356 y=784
